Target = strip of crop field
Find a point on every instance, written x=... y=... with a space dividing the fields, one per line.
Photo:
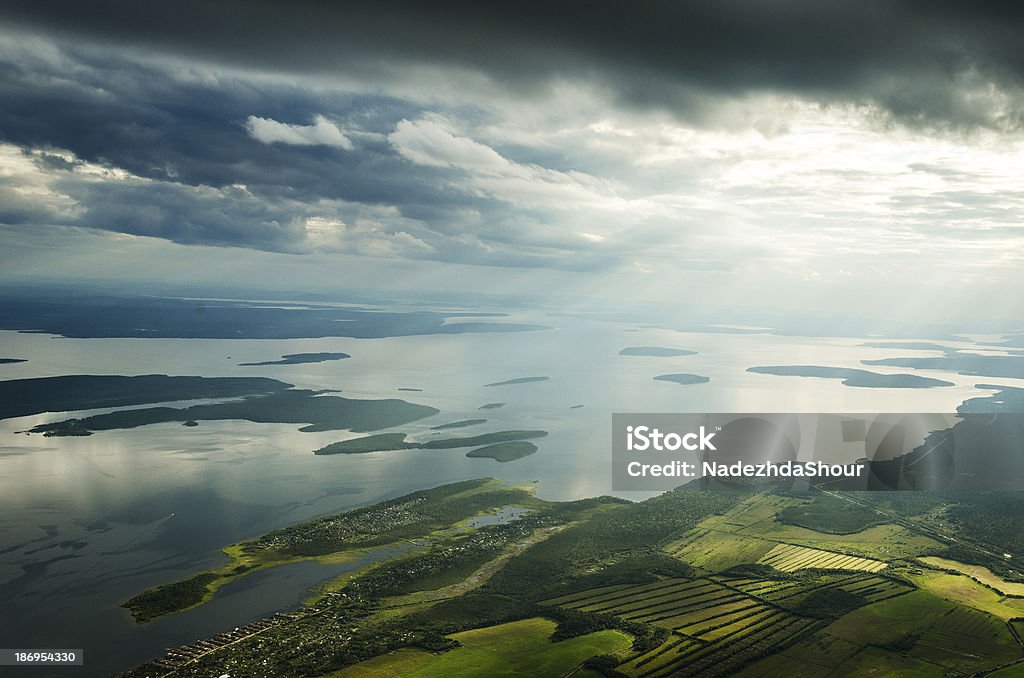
x=656 y=613
x=729 y=658
x=720 y=622
x=663 y=656
x=704 y=626
x=562 y=600
x=786 y=595
x=748 y=584
x=661 y=595
x=762 y=615
x=607 y=592
x=789 y=557
x=875 y=589
x=678 y=621
x=709 y=660
x=687 y=539
x=865 y=584
x=658 y=616
x=585 y=598
x=682 y=599
x=675 y=644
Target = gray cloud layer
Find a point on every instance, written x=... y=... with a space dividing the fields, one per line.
x=591 y=138
x=920 y=60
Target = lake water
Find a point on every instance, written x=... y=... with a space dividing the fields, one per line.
x=86 y=523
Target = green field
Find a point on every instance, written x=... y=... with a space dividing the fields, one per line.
x=915 y=634
x=928 y=628
x=979 y=572
x=397 y=663
x=519 y=648
x=825 y=513
x=716 y=551
x=716 y=626
x=965 y=591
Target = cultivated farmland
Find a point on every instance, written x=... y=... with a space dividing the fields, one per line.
x=716 y=626
x=789 y=558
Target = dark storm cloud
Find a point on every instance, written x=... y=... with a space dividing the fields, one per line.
x=186 y=145
x=365 y=128
x=137 y=118
x=205 y=170
x=916 y=59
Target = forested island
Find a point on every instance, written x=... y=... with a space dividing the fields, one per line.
x=263 y=400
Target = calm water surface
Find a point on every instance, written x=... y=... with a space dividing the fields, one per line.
x=85 y=523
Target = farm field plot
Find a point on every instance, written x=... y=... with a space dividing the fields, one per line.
x=757 y=587
x=881 y=542
x=917 y=634
x=588 y=593
x=757 y=509
x=636 y=597
x=979 y=572
x=714 y=550
x=720 y=654
x=817 y=655
x=958 y=638
x=791 y=595
x=670 y=602
x=751 y=529
x=716 y=626
x=875 y=589
x=750 y=511
x=789 y=558
x=513 y=649
x=924 y=627
x=961 y=589
x=879 y=662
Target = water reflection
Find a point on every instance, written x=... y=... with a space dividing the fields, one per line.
x=86 y=523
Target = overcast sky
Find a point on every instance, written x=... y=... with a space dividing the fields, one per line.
x=788 y=153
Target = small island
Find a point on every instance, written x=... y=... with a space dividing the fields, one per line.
x=683 y=378
x=852 y=377
x=380 y=442
x=655 y=351
x=491 y=406
x=504 y=452
x=520 y=380
x=11 y=361
x=458 y=424
x=387 y=442
x=300 y=359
